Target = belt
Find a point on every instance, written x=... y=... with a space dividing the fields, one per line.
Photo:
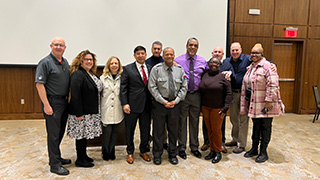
x=236 y=90
x=169 y=99
x=57 y=97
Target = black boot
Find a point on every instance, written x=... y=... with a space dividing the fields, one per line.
x=89 y=159
x=217 y=158
x=112 y=154
x=252 y=152
x=263 y=156
x=255 y=138
x=265 y=139
x=81 y=154
x=105 y=155
x=211 y=155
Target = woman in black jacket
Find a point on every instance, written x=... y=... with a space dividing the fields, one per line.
x=84 y=120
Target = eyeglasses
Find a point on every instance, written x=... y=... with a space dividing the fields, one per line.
x=88 y=59
x=57 y=45
x=255 y=53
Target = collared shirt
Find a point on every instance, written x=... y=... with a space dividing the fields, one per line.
x=158 y=83
x=200 y=67
x=54 y=75
x=140 y=69
x=240 y=69
x=152 y=61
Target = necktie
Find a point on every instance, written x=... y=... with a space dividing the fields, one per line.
x=171 y=85
x=145 y=79
x=191 y=75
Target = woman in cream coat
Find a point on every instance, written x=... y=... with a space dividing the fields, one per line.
x=111 y=109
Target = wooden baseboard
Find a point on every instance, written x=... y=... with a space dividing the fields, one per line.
x=21 y=116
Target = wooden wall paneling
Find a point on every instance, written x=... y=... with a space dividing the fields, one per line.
x=16 y=87
x=266 y=11
x=314 y=12
x=247 y=44
x=278 y=31
x=311 y=74
x=260 y=30
x=232 y=4
x=314 y=32
x=293 y=12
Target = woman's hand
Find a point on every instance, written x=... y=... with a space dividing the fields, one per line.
x=268 y=106
x=79 y=118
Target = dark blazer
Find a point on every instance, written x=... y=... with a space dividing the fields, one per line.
x=84 y=94
x=133 y=91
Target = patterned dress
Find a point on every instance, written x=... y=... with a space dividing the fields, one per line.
x=90 y=126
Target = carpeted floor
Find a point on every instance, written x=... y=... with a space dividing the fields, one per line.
x=293 y=154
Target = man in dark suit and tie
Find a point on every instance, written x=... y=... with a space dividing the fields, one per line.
x=136 y=101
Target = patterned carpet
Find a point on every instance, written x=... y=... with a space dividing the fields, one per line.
x=293 y=154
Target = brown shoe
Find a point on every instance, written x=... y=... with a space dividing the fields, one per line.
x=231 y=143
x=205 y=147
x=145 y=157
x=238 y=150
x=224 y=149
x=130 y=158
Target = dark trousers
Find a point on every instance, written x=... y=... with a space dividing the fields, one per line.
x=55 y=125
x=109 y=138
x=165 y=116
x=191 y=107
x=144 y=125
x=205 y=131
x=261 y=131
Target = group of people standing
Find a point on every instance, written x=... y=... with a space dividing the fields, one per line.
x=171 y=92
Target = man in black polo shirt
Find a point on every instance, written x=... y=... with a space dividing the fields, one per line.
x=52 y=83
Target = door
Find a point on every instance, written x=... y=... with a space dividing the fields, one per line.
x=285 y=57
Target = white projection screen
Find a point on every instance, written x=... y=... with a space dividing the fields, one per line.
x=108 y=27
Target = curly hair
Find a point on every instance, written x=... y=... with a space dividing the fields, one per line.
x=106 y=69
x=76 y=63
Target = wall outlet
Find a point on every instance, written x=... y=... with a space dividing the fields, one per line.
x=22 y=101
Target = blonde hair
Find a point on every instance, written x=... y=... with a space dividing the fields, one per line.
x=76 y=63
x=106 y=69
x=258 y=45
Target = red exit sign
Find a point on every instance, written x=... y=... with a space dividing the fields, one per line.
x=290 y=32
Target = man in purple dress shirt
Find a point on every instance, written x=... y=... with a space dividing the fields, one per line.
x=194 y=66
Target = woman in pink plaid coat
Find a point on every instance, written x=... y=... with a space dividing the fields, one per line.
x=260 y=99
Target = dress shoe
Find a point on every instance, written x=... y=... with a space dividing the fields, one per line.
x=231 y=143
x=196 y=153
x=224 y=149
x=173 y=160
x=59 y=170
x=157 y=160
x=211 y=155
x=238 y=150
x=145 y=157
x=65 y=161
x=262 y=158
x=85 y=164
x=252 y=152
x=205 y=147
x=130 y=158
x=217 y=158
x=183 y=154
